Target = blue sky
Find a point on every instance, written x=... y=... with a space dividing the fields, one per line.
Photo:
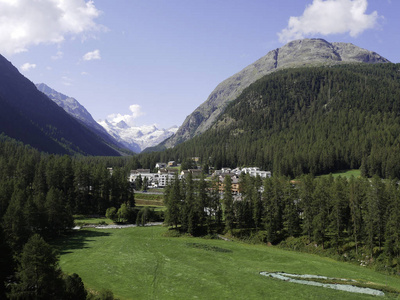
x=155 y=61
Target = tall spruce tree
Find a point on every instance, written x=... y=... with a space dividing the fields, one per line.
x=227 y=204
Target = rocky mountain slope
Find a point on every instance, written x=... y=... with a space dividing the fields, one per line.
x=29 y=116
x=137 y=138
x=306 y=52
x=79 y=112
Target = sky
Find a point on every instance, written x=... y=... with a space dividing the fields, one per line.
x=155 y=61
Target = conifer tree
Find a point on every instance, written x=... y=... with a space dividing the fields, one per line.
x=38 y=273
x=227 y=204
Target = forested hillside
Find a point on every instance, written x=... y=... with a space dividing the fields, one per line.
x=298 y=53
x=309 y=120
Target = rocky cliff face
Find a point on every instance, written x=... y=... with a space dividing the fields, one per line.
x=306 y=52
x=79 y=112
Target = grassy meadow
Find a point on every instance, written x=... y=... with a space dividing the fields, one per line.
x=346 y=173
x=144 y=199
x=141 y=263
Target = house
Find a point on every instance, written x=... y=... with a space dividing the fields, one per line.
x=196 y=173
x=111 y=170
x=235 y=188
x=144 y=173
x=184 y=173
x=255 y=171
x=161 y=165
x=172 y=163
x=159 y=179
x=164 y=177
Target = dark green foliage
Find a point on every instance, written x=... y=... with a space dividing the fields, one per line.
x=111 y=213
x=102 y=295
x=40 y=192
x=6 y=264
x=74 y=288
x=38 y=274
x=173 y=200
x=227 y=204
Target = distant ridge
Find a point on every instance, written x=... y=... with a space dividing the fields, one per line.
x=79 y=112
x=305 y=52
x=31 y=117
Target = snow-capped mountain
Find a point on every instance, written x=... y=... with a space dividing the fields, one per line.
x=118 y=132
x=137 y=138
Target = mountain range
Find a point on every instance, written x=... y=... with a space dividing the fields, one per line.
x=305 y=52
x=137 y=138
x=119 y=134
x=29 y=116
x=62 y=125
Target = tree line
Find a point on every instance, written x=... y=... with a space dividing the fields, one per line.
x=358 y=217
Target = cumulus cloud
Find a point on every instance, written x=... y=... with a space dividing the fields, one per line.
x=92 y=55
x=27 y=66
x=325 y=17
x=136 y=112
x=24 y=23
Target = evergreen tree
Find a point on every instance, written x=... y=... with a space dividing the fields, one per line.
x=339 y=211
x=38 y=273
x=322 y=197
x=173 y=203
x=306 y=204
x=227 y=204
x=357 y=194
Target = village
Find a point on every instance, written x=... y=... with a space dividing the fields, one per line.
x=167 y=172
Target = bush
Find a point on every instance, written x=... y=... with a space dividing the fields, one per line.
x=111 y=213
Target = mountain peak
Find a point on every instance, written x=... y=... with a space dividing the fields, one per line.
x=298 y=53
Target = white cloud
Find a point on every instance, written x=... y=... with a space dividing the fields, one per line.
x=66 y=81
x=27 y=66
x=59 y=55
x=24 y=23
x=84 y=73
x=325 y=17
x=92 y=55
x=136 y=112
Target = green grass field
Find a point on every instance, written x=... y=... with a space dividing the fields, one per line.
x=85 y=220
x=346 y=173
x=143 y=199
x=139 y=263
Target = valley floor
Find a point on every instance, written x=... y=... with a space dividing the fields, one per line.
x=144 y=263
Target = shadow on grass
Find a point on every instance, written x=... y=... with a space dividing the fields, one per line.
x=77 y=239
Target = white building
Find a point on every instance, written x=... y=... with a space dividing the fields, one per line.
x=159 y=179
x=255 y=171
